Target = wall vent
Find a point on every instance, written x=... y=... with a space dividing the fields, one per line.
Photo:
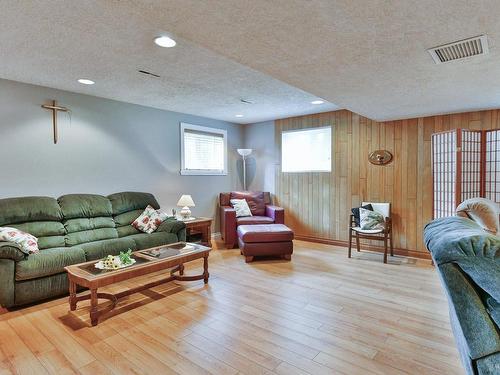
x=460 y=50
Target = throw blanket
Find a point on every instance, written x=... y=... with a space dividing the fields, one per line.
x=461 y=241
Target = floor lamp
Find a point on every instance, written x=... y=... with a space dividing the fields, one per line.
x=244 y=152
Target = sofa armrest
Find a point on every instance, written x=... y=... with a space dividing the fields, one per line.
x=9 y=250
x=228 y=225
x=175 y=226
x=276 y=213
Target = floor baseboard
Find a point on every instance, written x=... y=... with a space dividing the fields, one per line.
x=379 y=249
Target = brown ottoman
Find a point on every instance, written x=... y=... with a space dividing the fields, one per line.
x=265 y=239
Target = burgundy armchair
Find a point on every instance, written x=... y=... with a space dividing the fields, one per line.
x=263 y=212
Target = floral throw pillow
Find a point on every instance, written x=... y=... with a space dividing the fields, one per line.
x=149 y=220
x=370 y=220
x=26 y=242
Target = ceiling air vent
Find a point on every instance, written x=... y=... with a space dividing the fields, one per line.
x=460 y=50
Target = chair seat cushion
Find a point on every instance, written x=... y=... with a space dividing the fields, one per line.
x=249 y=220
x=146 y=241
x=48 y=262
x=265 y=233
x=99 y=249
x=368 y=231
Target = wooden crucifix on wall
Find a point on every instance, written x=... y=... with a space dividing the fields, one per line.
x=54 y=108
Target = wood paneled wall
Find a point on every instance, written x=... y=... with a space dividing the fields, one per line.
x=317 y=205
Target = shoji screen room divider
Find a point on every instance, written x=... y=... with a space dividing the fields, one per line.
x=465 y=164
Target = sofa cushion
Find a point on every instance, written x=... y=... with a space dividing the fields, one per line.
x=249 y=220
x=265 y=233
x=73 y=239
x=146 y=241
x=99 y=249
x=27 y=209
x=49 y=233
x=255 y=201
x=87 y=218
x=84 y=205
x=48 y=262
x=129 y=201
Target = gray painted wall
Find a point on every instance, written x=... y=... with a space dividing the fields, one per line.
x=108 y=146
x=261 y=163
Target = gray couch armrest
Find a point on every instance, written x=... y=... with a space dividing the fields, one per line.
x=9 y=250
x=174 y=226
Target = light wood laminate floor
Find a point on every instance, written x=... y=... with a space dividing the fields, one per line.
x=321 y=313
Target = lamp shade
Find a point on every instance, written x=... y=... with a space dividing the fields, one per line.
x=244 y=151
x=185 y=200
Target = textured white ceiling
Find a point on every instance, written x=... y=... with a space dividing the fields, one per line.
x=367 y=56
x=53 y=43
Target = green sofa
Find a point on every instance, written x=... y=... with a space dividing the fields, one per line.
x=71 y=229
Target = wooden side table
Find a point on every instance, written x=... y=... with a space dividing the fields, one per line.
x=200 y=225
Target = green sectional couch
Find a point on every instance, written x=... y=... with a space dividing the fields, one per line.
x=71 y=229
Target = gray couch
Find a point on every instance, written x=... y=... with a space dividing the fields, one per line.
x=468 y=262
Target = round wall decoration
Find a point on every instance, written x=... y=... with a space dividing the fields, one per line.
x=380 y=157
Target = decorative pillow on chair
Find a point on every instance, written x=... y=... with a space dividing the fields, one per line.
x=26 y=242
x=149 y=220
x=355 y=212
x=241 y=207
x=483 y=211
x=370 y=220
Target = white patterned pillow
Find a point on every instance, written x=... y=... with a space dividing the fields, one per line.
x=241 y=207
x=26 y=242
x=149 y=220
x=370 y=220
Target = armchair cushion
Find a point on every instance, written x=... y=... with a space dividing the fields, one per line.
x=249 y=220
x=368 y=231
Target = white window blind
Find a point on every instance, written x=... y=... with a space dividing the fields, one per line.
x=203 y=150
x=307 y=150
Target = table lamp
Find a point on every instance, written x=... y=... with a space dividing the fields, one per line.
x=244 y=152
x=185 y=202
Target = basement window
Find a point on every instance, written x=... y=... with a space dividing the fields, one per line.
x=307 y=150
x=203 y=150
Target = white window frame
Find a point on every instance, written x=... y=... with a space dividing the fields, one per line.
x=205 y=129
x=307 y=170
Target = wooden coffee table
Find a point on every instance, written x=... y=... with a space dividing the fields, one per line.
x=172 y=259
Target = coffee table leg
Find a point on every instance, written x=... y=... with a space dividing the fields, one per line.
x=72 y=295
x=205 y=269
x=94 y=317
x=181 y=269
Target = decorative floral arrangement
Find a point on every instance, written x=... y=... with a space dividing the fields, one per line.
x=112 y=262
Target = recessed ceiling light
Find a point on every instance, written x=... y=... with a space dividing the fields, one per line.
x=238 y=115
x=85 y=81
x=317 y=102
x=165 y=41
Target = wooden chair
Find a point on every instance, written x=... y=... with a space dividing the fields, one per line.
x=384 y=234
